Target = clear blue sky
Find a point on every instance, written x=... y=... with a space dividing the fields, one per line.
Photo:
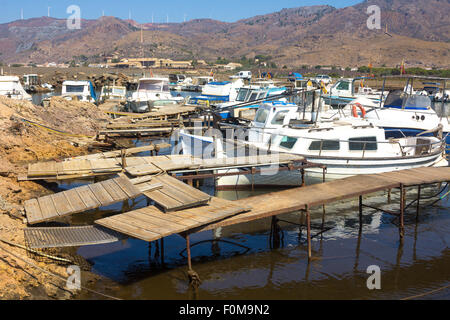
x=141 y=10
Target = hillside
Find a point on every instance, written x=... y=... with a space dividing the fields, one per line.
x=420 y=34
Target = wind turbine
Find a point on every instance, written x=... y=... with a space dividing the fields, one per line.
x=48 y=11
x=21 y=13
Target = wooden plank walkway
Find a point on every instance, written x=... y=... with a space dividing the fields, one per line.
x=296 y=199
x=164 y=113
x=175 y=195
x=79 y=200
x=151 y=224
x=91 y=166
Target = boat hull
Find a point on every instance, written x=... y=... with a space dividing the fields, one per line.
x=336 y=169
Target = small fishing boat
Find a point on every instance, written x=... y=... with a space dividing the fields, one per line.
x=78 y=90
x=214 y=93
x=11 y=87
x=113 y=93
x=347 y=90
x=246 y=94
x=197 y=84
x=151 y=92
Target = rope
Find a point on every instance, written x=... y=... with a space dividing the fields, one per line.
x=54 y=275
x=54 y=130
x=36 y=252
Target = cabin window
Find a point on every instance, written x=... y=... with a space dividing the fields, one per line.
x=74 y=88
x=288 y=142
x=331 y=145
x=278 y=119
x=261 y=115
x=242 y=94
x=357 y=144
x=343 y=85
x=253 y=96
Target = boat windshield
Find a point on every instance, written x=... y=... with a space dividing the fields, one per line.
x=261 y=115
x=154 y=86
x=395 y=99
x=242 y=94
x=75 y=88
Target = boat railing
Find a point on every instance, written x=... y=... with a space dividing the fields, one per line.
x=430 y=146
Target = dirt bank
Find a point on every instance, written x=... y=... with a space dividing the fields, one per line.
x=22 y=142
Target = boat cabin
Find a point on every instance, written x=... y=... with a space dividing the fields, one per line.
x=81 y=90
x=11 y=87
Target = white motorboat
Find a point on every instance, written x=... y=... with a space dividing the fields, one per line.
x=11 y=87
x=346 y=148
x=151 y=91
x=78 y=90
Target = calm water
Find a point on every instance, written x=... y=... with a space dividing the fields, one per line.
x=255 y=269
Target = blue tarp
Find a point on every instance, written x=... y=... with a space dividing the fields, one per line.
x=295 y=76
x=93 y=94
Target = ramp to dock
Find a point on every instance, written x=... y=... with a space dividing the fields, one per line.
x=59 y=237
x=79 y=199
x=150 y=224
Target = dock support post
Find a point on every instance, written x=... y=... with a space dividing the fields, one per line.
x=402 y=212
x=360 y=211
x=418 y=201
x=308 y=230
x=123 y=154
x=389 y=195
x=302 y=171
x=162 y=251
x=188 y=249
x=194 y=279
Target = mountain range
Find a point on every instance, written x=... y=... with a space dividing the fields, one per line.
x=418 y=32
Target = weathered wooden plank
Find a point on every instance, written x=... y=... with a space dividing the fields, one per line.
x=42 y=168
x=150 y=223
x=75 y=201
x=75 y=167
x=165 y=201
x=48 y=209
x=142 y=170
x=130 y=189
x=114 y=191
x=147 y=187
x=88 y=197
x=101 y=194
x=175 y=183
x=33 y=211
x=61 y=203
x=185 y=220
x=127 y=229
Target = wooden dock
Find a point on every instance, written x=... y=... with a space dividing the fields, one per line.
x=79 y=199
x=162 y=114
x=92 y=166
x=150 y=224
x=175 y=195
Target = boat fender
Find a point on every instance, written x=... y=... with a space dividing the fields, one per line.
x=355 y=113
